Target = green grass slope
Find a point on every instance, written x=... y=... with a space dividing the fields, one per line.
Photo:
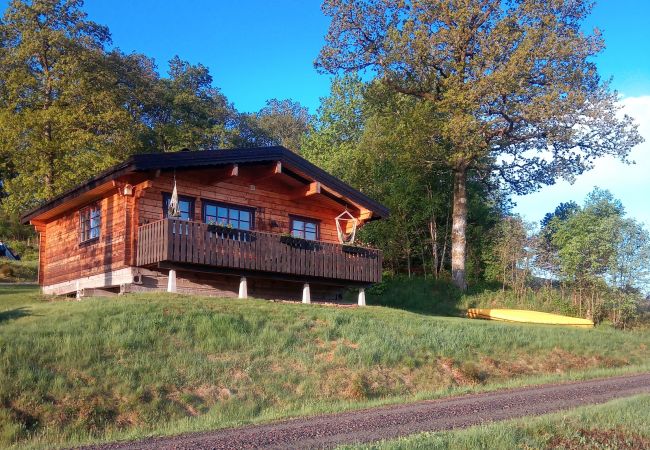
x=619 y=424
x=18 y=271
x=124 y=367
x=440 y=297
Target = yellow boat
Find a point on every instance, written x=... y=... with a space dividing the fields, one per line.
x=524 y=316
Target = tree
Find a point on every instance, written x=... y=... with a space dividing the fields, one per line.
x=62 y=107
x=631 y=269
x=338 y=125
x=374 y=138
x=187 y=111
x=513 y=82
x=508 y=256
x=284 y=122
x=599 y=253
x=588 y=244
x=546 y=257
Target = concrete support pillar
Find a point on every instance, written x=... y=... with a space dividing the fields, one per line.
x=243 y=288
x=362 y=297
x=80 y=292
x=171 y=281
x=306 y=295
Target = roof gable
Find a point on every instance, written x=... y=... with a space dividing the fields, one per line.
x=147 y=162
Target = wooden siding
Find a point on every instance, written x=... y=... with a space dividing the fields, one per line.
x=271 y=199
x=273 y=196
x=186 y=242
x=65 y=258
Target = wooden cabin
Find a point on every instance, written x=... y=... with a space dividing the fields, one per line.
x=253 y=222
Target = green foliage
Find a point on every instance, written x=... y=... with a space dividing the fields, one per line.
x=186 y=111
x=508 y=258
x=12 y=229
x=111 y=368
x=378 y=141
x=18 y=271
x=282 y=122
x=62 y=118
x=339 y=125
x=503 y=86
x=503 y=83
x=69 y=107
x=601 y=254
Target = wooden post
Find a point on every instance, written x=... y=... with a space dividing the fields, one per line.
x=171 y=281
x=362 y=297
x=306 y=295
x=243 y=288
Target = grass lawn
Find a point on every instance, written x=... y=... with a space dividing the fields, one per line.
x=126 y=367
x=619 y=424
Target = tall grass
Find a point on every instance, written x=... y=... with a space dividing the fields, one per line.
x=127 y=366
x=440 y=297
x=18 y=271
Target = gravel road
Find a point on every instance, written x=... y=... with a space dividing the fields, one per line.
x=386 y=422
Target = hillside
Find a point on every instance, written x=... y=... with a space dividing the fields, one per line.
x=121 y=367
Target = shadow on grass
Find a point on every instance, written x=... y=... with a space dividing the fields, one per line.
x=13 y=314
x=424 y=296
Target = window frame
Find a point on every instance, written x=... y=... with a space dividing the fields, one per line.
x=82 y=231
x=304 y=219
x=251 y=210
x=181 y=198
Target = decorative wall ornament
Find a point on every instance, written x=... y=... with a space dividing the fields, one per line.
x=173 y=210
x=342 y=221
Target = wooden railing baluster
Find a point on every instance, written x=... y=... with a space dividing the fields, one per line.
x=182 y=241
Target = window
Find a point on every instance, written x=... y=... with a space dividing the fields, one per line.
x=305 y=228
x=222 y=214
x=185 y=206
x=89 y=223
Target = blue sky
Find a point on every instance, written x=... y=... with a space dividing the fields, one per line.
x=258 y=50
x=262 y=49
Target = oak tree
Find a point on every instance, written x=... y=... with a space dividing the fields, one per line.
x=513 y=81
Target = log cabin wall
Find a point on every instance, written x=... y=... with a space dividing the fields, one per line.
x=66 y=258
x=271 y=200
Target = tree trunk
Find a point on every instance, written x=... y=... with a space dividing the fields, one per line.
x=424 y=263
x=443 y=253
x=433 y=232
x=458 y=228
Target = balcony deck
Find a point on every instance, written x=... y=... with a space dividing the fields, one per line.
x=196 y=244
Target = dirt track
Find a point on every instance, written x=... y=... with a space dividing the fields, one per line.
x=400 y=420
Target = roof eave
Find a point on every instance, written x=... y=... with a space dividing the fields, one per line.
x=153 y=161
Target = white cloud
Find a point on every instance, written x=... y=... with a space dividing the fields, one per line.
x=629 y=183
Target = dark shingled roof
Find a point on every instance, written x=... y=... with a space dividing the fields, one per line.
x=189 y=159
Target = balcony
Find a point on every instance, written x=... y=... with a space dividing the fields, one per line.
x=199 y=245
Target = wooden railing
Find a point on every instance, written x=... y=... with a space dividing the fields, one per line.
x=181 y=241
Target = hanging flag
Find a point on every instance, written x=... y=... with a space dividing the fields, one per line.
x=172 y=208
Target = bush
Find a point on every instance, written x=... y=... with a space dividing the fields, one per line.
x=18 y=271
x=6 y=271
